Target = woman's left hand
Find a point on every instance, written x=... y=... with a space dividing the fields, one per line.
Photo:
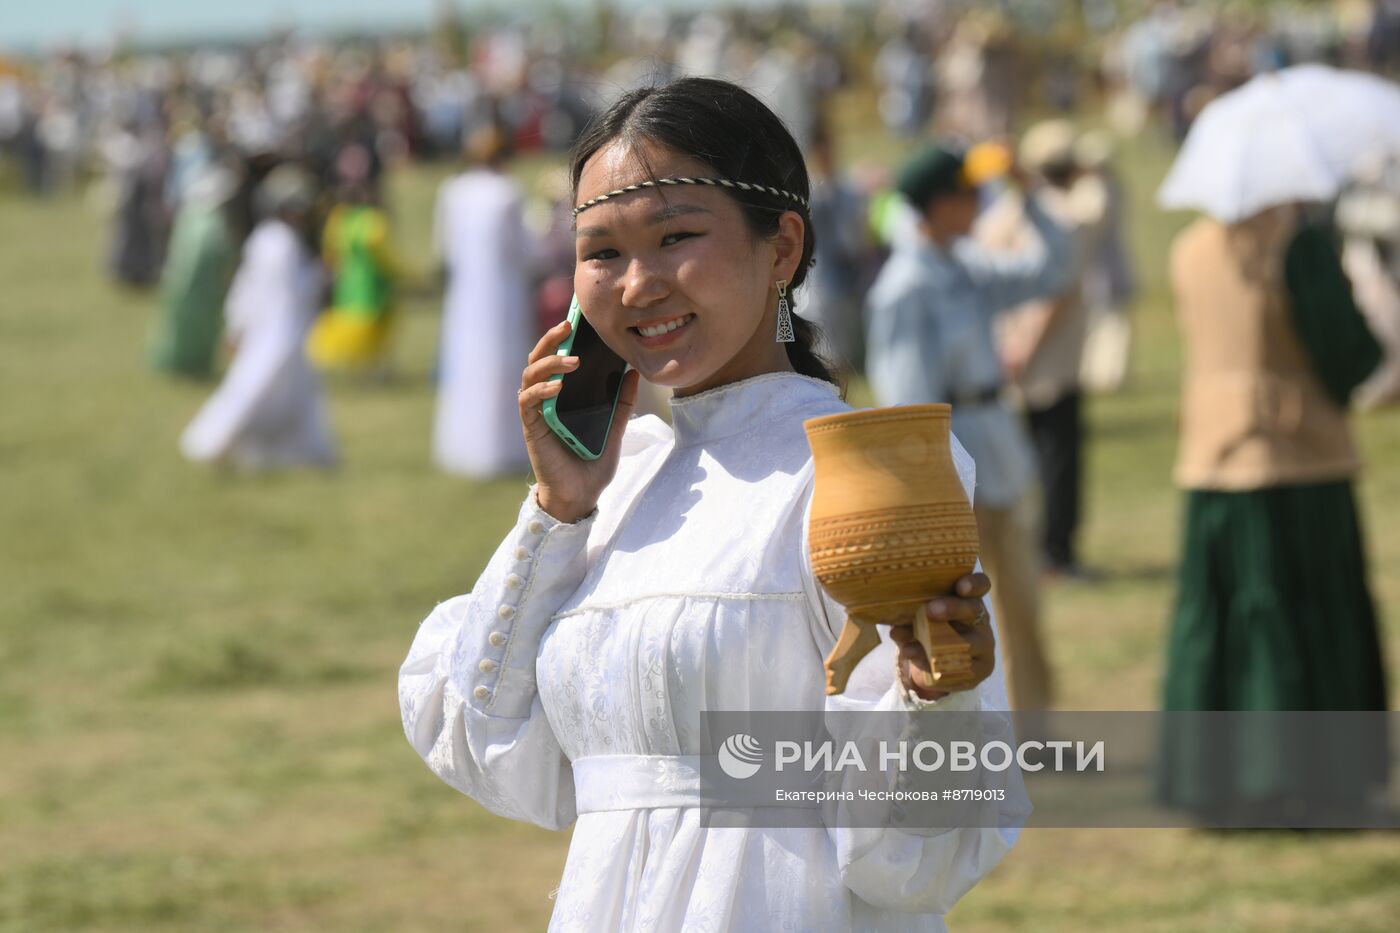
x=966 y=612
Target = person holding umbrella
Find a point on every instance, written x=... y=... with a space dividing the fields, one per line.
x=1273 y=611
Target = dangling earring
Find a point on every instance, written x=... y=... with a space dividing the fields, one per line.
x=785 y=333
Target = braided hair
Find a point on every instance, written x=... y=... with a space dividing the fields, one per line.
x=733 y=132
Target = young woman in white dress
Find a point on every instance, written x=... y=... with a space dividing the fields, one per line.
x=270 y=411
x=487 y=321
x=669 y=577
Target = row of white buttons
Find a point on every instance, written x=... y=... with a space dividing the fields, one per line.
x=506 y=611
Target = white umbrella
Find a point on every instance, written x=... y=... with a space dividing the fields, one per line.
x=1291 y=135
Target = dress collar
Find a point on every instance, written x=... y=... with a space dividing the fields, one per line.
x=739 y=406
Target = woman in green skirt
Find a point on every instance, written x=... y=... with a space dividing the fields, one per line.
x=1273 y=610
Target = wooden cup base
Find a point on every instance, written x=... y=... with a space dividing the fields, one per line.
x=950 y=657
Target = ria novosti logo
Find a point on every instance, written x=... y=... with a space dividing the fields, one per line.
x=740 y=756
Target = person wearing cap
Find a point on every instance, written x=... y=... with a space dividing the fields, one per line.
x=1042 y=346
x=930 y=339
x=270 y=412
x=190 y=320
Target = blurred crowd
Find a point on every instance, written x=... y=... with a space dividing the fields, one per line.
x=951 y=65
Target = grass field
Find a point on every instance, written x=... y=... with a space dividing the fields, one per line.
x=198 y=721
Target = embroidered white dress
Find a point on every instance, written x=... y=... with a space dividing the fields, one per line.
x=569 y=684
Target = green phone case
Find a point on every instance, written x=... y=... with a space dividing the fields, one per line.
x=551 y=416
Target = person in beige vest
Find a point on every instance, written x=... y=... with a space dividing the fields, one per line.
x=1272 y=608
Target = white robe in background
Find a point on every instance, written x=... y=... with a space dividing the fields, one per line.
x=487 y=325
x=569 y=684
x=269 y=412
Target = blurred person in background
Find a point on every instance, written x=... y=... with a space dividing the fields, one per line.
x=904 y=74
x=137 y=158
x=1042 y=349
x=783 y=77
x=837 y=283
x=356 y=246
x=59 y=134
x=487 y=258
x=550 y=219
x=203 y=253
x=1273 y=611
x=192 y=150
x=29 y=148
x=1369 y=217
x=931 y=314
x=14 y=118
x=270 y=411
x=977 y=77
x=1110 y=279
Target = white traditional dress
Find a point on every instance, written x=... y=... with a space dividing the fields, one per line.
x=569 y=684
x=270 y=411
x=486 y=325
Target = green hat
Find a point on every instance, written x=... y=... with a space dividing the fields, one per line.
x=937 y=170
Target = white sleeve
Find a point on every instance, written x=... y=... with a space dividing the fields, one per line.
x=913 y=869
x=467 y=688
x=1009 y=278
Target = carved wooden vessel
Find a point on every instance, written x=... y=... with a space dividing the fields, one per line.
x=890 y=529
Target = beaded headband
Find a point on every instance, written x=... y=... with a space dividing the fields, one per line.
x=722 y=182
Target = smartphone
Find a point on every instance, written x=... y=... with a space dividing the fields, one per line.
x=582 y=412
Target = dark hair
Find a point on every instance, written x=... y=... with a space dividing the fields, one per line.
x=734 y=133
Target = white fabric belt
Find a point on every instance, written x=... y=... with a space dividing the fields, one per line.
x=644 y=782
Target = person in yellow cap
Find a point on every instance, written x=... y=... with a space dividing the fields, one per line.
x=930 y=339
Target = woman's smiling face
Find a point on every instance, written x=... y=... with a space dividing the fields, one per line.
x=673 y=279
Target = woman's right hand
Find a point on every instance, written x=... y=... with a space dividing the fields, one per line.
x=568 y=486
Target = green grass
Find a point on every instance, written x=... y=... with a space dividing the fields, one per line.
x=198 y=725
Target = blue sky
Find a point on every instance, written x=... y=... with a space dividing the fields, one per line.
x=30 y=23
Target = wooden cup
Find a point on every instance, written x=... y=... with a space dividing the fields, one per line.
x=890 y=529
